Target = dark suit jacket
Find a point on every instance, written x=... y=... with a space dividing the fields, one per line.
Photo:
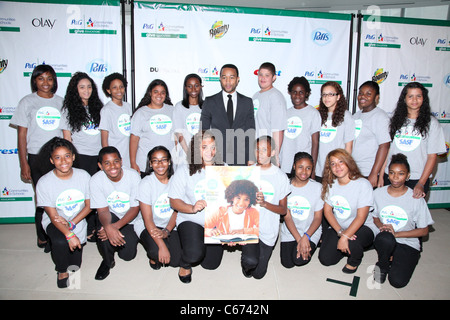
x=237 y=144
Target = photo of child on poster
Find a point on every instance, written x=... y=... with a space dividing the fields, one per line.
x=232 y=215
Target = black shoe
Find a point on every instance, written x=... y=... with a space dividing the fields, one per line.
x=154 y=266
x=349 y=271
x=62 y=283
x=379 y=275
x=246 y=273
x=103 y=270
x=187 y=278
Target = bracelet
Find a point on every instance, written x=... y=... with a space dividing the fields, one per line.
x=70 y=236
x=346 y=236
x=307 y=235
x=72 y=225
x=339 y=233
x=168 y=232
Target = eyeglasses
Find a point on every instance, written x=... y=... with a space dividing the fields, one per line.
x=156 y=161
x=324 y=95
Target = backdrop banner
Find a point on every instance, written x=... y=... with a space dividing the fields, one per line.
x=396 y=51
x=70 y=36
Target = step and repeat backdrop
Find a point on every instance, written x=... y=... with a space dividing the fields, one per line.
x=169 y=41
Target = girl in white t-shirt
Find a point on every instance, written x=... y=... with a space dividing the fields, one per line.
x=338 y=127
x=301 y=230
x=37 y=118
x=64 y=194
x=151 y=125
x=416 y=133
x=157 y=228
x=402 y=220
x=348 y=198
x=186 y=115
x=115 y=116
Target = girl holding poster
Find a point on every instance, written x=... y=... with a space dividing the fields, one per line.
x=157 y=229
x=64 y=194
x=348 y=198
x=37 y=118
x=301 y=230
x=401 y=219
x=187 y=197
x=416 y=133
x=151 y=125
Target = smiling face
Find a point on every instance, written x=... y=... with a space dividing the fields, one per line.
x=208 y=151
x=84 y=88
x=414 y=100
x=367 y=98
x=62 y=158
x=158 y=96
x=330 y=97
x=117 y=91
x=229 y=80
x=160 y=163
x=298 y=96
x=111 y=164
x=193 y=89
x=338 y=167
x=303 y=169
x=44 y=84
x=265 y=79
x=240 y=203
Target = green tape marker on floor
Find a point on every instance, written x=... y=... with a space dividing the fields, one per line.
x=353 y=286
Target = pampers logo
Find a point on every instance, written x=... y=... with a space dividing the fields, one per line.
x=218 y=30
x=380 y=75
x=321 y=36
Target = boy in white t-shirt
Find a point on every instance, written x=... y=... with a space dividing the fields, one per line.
x=113 y=194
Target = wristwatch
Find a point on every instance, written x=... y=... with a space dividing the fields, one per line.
x=339 y=233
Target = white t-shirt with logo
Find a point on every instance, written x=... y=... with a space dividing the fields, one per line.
x=87 y=140
x=371 y=130
x=190 y=189
x=41 y=117
x=67 y=196
x=334 y=137
x=117 y=121
x=416 y=147
x=404 y=213
x=154 y=127
x=303 y=202
x=275 y=186
x=347 y=199
x=154 y=193
x=301 y=124
x=119 y=196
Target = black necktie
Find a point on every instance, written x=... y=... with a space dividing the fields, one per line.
x=230 y=110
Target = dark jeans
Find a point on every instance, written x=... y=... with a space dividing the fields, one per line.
x=404 y=259
x=126 y=252
x=172 y=243
x=62 y=257
x=330 y=255
x=288 y=254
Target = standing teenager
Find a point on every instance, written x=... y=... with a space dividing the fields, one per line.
x=157 y=228
x=402 y=220
x=151 y=125
x=302 y=226
x=187 y=197
x=303 y=126
x=416 y=133
x=115 y=116
x=348 y=198
x=37 y=118
x=63 y=192
x=113 y=194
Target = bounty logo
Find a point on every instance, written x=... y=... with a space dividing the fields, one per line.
x=3 y=64
x=380 y=75
x=321 y=36
x=218 y=30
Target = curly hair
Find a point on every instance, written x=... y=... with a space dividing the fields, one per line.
x=194 y=154
x=328 y=176
x=185 y=100
x=110 y=78
x=303 y=82
x=76 y=111
x=400 y=115
x=147 y=99
x=338 y=115
x=238 y=187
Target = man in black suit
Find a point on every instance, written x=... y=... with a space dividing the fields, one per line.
x=231 y=114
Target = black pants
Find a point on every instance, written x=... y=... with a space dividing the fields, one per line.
x=172 y=243
x=36 y=174
x=62 y=257
x=288 y=254
x=126 y=252
x=404 y=259
x=330 y=255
